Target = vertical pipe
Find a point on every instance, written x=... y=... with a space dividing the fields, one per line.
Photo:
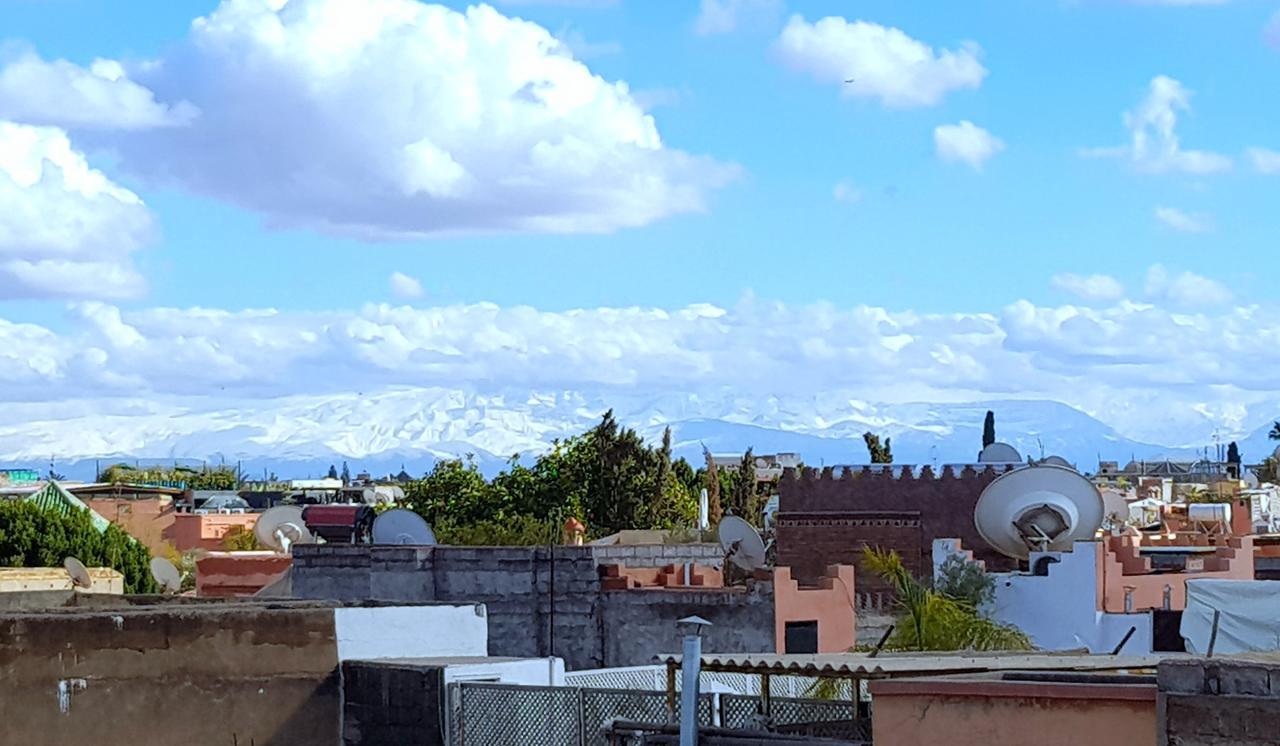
x=690 y=665
x=671 y=691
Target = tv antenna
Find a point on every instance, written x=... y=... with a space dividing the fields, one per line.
x=78 y=572
x=742 y=546
x=166 y=575
x=400 y=526
x=281 y=527
x=1038 y=508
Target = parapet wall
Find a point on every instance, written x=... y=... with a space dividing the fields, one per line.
x=1218 y=702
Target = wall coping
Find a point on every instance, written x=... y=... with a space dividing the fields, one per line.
x=1005 y=689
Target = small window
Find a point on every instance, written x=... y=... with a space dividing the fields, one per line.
x=801 y=637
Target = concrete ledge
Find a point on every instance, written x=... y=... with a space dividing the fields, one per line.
x=988 y=688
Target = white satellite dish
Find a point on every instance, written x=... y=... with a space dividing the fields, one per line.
x=1040 y=508
x=281 y=527
x=999 y=453
x=78 y=572
x=166 y=575
x=742 y=545
x=400 y=526
x=1056 y=461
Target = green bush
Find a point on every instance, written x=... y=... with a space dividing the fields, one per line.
x=31 y=536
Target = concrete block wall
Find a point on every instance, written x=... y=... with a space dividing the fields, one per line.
x=1217 y=702
x=658 y=555
x=638 y=624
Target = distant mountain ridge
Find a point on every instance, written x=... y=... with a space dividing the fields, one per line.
x=302 y=436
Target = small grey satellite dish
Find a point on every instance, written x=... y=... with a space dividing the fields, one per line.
x=1057 y=461
x=281 y=527
x=166 y=575
x=1039 y=508
x=999 y=453
x=400 y=526
x=742 y=545
x=78 y=572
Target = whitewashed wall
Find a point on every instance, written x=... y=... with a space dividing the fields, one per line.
x=435 y=631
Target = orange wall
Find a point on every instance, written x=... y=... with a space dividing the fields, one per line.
x=831 y=604
x=909 y=712
x=1233 y=560
x=232 y=574
x=145 y=520
x=196 y=531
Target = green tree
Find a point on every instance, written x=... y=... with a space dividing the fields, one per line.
x=715 y=508
x=31 y=536
x=454 y=491
x=333 y=472
x=989 y=429
x=964 y=580
x=929 y=620
x=346 y=473
x=1233 y=453
x=880 y=453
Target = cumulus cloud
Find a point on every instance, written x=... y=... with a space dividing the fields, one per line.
x=1264 y=161
x=1185 y=288
x=883 y=62
x=966 y=143
x=727 y=16
x=34 y=91
x=405 y=287
x=1154 y=144
x=1182 y=221
x=66 y=230
x=1089 y=287
x=489 y=124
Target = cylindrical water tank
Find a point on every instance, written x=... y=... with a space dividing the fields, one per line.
x=1209 y=513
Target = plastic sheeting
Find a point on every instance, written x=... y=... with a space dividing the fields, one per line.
x=1249 y=619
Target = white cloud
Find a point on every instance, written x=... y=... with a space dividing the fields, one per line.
x=1185 y=289
x=488 y=125
x=65 y=229
x=727 y=16
x=33 y=91
x=1089 y=287
x=1154 y=144
x=882 y=62
x=583 y=49
x=1271 y=32
x=1264 y=161
x=967 y=143
x=405 y=287
x=561 y=3
x=1182 y=221
x=846 y=192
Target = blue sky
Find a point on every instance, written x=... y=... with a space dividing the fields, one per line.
x=990 y=200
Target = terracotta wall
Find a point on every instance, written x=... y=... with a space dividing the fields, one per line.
x=1125 y=573
x=148 y=521
x=238 y=574
x=992 y=712
x=827 y=519
x=206 y=531
x=621 y=577
x=830 y=604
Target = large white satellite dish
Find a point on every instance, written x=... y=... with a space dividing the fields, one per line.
x=999 y=453
x=400 y=526
x=1038 y=508
x=742 y=545
x=281 y=527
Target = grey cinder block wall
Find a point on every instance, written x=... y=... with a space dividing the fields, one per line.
x=545 y=601
x=1217 y=702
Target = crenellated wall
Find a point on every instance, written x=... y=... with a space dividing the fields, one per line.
x=825 y=518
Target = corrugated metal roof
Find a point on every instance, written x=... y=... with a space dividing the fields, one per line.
x=53 y=496
x=893 y=664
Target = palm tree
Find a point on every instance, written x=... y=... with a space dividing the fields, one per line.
x=1275 y=431
x=929 y=620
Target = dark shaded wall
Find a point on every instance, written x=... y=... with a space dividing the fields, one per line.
x=541 y=601
x=827 y=519
x=391 y=704
x=169 y=675
x=1218 y=702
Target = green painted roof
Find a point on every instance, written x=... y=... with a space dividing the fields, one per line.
x=53 y=496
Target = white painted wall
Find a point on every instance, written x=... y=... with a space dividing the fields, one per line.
x=527 y=672
x=369 y=633
x=1059 y=611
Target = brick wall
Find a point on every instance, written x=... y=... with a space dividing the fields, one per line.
x=827 y=519
x=1218 y=702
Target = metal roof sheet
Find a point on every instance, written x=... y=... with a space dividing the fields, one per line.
x=894 y=664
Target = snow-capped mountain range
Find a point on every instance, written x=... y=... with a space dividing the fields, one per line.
x=380 y=432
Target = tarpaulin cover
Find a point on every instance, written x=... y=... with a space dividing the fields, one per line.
x=1249 y=617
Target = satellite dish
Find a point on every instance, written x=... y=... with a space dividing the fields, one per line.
x=281 y=527
x=1056 y=461
x=78 y=572
x=742 y=545
x=1041 y=508
x=400 y=526
x=166 y=575
x=999 y=453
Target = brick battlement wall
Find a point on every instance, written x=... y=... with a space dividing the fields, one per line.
x=826 y=518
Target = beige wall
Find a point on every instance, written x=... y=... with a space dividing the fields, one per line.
x=26 y=579
x=830 y=604
x=978 y=712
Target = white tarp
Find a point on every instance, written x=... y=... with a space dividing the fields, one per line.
x=1249 y=615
